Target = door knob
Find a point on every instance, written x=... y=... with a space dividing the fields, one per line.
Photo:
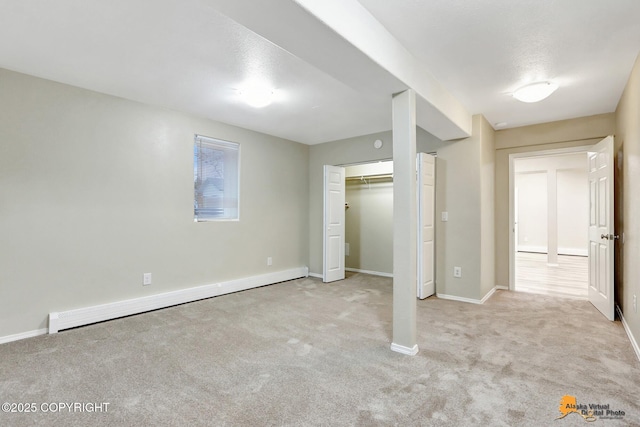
x=610 y=236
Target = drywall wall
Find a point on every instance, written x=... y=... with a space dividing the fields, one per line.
x=97 y=190
x=531 y=221
x=569 y=210
x=369 y=219
x=627 y=141
x=487 y=207
x=346 y=152
x=563 y=134
x=573 y=212
x=464 y=183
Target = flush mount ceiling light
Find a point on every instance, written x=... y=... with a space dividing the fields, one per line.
x=257 y=95
x=535 y=92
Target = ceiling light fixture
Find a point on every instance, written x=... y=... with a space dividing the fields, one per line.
x=257 y=95
x=535 y=92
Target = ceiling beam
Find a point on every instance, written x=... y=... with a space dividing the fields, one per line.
x=342 y=39
x=439 y=112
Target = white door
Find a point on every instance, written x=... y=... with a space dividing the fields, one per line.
x=601 y=234
x=426 y=229
x=333 y=236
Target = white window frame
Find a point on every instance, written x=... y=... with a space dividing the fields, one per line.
x=229 y=203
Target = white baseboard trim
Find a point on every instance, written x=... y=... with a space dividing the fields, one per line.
x=468 y=300
x=502 y=288
x=316 y=275
x=23 y=335
x=409 y=351
x=488 y=295
x=573 y=251
x=634 y=343
x=561 y=251
x=99 y=313
x=373 y=273
x=533 y=249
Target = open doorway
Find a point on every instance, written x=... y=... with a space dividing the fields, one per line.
x=369 y=218
x=551 y=224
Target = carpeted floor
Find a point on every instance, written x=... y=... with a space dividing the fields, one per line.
x=307 y=353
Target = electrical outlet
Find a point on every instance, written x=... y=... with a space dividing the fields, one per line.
x=457 y=271
x=269 y=261
x=635 y=304
x=146 y=279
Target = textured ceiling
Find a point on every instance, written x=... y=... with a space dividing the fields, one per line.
x=192 y=55
x=481 y=51
x=184 y=55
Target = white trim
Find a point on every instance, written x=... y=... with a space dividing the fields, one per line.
x=316 y=275
x=573 y=251
x=561 y=251
x=23 y=335
x=488 y=295
x=373 y=273
x=469 y=300
x=634 y=343
x=502 y=288
x=409 y=351
x=461 y=299
x=533 y=249
x=99 y=313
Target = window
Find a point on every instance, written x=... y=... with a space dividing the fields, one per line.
x=215 y=179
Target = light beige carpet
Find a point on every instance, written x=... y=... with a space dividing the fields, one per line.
x=307 y=353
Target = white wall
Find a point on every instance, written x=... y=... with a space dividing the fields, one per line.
x=569 y=210
x=628 y=201
x=97 y=190
x=573 y=212
x=532 y=208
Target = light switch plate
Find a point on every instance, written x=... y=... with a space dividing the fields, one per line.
x=445 y=216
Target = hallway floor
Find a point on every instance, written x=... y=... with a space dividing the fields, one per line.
x=570 y=278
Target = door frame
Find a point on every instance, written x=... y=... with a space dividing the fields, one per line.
x=364 y=162
x=324 y=190
x=512 y=210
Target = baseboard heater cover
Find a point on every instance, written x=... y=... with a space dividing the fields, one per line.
x=99 y=313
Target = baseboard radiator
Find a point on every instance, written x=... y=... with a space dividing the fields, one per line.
x=99 y=313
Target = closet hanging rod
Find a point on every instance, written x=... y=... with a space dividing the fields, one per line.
x=361 y=177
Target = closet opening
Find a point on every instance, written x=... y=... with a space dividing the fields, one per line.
x=369 y=218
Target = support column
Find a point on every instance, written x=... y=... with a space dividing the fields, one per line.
x=552 y=216
x=404 y=223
